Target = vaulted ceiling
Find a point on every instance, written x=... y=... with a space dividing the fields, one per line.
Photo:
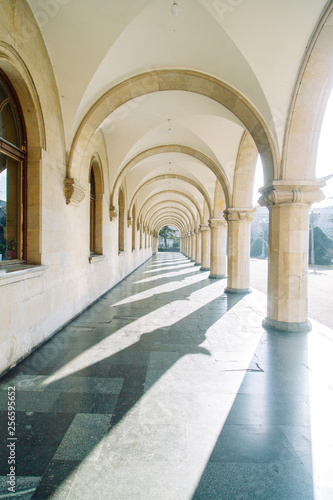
x=253 y=46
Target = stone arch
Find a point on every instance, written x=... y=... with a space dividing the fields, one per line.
x=174 y=211
x=174 y=222
x=173 y=148
x=219 y=202
x=184 y=80
x=198 y=186
x=190 y=198
x=172 y=205
x=18 y=74
x=244 y=173
x=308 y=104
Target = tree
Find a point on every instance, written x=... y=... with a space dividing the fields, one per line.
x=168 y=233
x=323 y=246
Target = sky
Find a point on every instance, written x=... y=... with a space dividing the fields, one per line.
x=324 y=164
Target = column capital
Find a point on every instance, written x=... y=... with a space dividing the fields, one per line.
x=291 y=192
x=239 y=214
x=204 y=227
x=217 y=223
x=197 y=230
x=129 y=221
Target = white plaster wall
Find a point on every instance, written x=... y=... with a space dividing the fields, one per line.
x=33 y=306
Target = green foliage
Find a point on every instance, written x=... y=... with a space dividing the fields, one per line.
x=323 y=246
x=256 y=248
x=168 y=233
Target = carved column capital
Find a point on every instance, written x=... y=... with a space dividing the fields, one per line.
x=204 y=227
x=217 y=223
x=239 y=214
x=129 y=221
x=197 y=230
x=138 y=226
x=287 y=193
x=113 y=213
x=74 y=192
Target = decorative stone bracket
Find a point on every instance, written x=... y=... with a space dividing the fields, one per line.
x=281 y=192
x=239 y=214
x=204 y=227
x=74 y=192
x=113 y=213
x=217 y=223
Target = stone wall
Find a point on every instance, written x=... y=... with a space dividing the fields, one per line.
x=37 y=301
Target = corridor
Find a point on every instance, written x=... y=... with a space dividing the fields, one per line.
x=168 y=388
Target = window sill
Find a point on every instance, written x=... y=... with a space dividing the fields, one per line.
x=19 y=271
x=94 y=257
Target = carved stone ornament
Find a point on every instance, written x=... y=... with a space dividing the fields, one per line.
x=204 y=227
x=282 y=193
x=113 y=213
x=138 y=226
x=239 y=214
x=74 y=192
x=129 y=221
x=217 y=223
x=197 y=230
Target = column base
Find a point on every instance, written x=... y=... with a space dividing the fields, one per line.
x=238 y=290
x=272 y=324
x=204 y=268
x=217 y=276
x=197 y=264
x=192 y=260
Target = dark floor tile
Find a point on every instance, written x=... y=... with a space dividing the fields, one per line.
x=25 y=486
x=85 y=403
x=253 y=444
x=29 y=460
x=254 y=482
x=38 y=429
x=57 y=480
x=253 y=409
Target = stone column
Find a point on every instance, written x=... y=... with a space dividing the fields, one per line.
x=218 y=235
x=205 y=247
x=239 y=242
x=197 y=246
x=288 y=250
x=193 y=241
x=188 y=249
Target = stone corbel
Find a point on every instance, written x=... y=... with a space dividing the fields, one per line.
x=204 y=227
x=74 y=192
x=217 y=223
x=282 y=193
x=113 y=213
x=239 y=214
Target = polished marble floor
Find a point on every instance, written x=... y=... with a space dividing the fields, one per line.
x=169 y=389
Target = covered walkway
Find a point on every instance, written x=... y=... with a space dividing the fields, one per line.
x=168 y=388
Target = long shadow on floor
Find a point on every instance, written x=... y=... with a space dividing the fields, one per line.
x=264 y=449
x=96 y=398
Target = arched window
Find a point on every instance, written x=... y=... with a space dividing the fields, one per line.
x=96 y=208
x=12 y=174
x=121 y=220
x=133 y=228
x=92 y=211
